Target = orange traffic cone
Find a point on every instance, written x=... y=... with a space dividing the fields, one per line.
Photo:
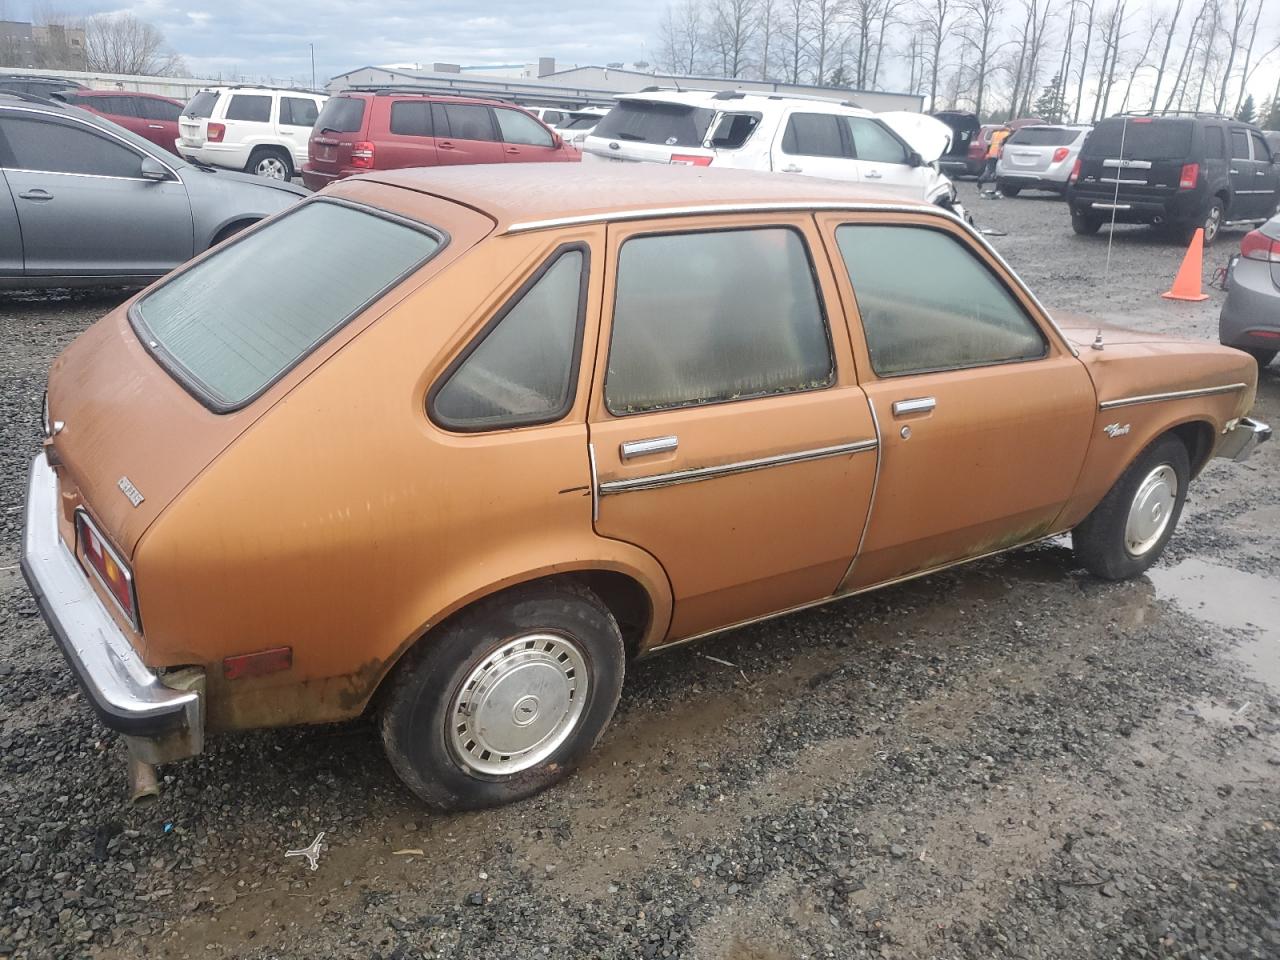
x=1186 y=285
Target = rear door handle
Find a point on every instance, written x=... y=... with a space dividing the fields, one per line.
x=36 y=193
x=644 y=448
x=874 y=175
x=915 y=405
x=1233 y=171
x=792 y=168
x=445 y=144
x=155 y=126
x=513 y=149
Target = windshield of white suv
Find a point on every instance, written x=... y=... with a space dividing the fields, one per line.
x=201 y=105
x=235 y=322
x=648 y=121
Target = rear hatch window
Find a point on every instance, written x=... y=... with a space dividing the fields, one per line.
x=1044 y=136
x=1143 y=138
x=201 y=105
x=647 y=121
x=235 y=322
x=341 y=115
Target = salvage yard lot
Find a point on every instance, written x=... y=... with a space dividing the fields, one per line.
x=1009 y=759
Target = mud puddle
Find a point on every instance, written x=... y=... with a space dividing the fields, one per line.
x=1246 y=603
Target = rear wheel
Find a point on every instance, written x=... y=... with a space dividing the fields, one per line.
x=1214 y=215
x=1010 y=189
x=1085 y=224
x=270 y=162
x=506 y=699
x=1263 y=357
x=1126 y=533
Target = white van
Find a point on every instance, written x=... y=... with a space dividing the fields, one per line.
x=255 y=129
x=787 y=134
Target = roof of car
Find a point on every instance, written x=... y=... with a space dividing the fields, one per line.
x=731 y=100
x=544 y=194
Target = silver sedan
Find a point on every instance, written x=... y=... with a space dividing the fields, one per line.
x=1250 y=318
x=84 y=202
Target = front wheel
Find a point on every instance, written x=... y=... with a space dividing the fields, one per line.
x=506 y=699
x=1128 y=530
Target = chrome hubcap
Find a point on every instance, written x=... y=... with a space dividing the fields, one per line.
x=271 y=167
x=1151 y=510
x=519 y=705
x=1212 y=222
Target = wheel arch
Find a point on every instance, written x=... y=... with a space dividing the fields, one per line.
x=1198 y=436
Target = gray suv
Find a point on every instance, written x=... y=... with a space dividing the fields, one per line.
x=84 y=202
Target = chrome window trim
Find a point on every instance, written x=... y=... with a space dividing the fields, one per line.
x=791 y=206
x=595 y=484
x=675 y=477
x=1172 y=395
x=95 y=129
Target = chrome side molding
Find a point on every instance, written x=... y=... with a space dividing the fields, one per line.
x=694 y=475
x=1173 y=395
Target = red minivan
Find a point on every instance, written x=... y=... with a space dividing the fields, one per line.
x=359 y=132
x=147 y=114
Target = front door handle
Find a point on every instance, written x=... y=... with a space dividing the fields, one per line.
x=874 y=175
x=513 y=149
x=155 y=126
x=445 y=144
x=1233 y=171
x=36 y=193
x=644 y=448
x=792 y=168
x=902 y=408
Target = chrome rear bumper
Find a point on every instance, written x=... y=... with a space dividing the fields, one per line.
x=161 y=722
x=1242 y=438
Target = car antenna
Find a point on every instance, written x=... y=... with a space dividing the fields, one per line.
x=1111 y=234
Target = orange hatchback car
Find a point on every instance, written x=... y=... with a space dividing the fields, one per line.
x=523 y=426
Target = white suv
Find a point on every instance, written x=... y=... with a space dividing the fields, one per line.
x=255 y=129
x=810 y=136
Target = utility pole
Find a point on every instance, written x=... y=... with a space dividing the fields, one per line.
x=313 y=65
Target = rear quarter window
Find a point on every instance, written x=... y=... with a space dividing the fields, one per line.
x=235 y=322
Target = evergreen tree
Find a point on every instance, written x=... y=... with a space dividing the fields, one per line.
x=1050 y=105
x=1247 y=111
x=1270 y=116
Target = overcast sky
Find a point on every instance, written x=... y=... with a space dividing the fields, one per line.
x=270 y=38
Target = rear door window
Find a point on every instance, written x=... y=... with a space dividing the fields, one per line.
x=643 y=121
x=517 y=127
x=963 y=317
x=522 y=368
x=411 y=118
x=1261 y=152
x=298 y=112
x=52 y=147
x=232 y=324
x=732 y=130
x=158 y=109
x=873 y=142
x=463 y=121
x=813 y=135
x=256 y=109
x=341 y=115
x=1215 y=143
x=715 y=316
x=1239 y=144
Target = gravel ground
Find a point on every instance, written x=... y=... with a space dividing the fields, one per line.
x=1008 y=760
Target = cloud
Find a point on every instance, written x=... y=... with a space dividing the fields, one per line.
x=256 y=40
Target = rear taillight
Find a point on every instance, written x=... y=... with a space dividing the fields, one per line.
x=690 y=160
x=1190 y=174
x=1060 y=154
x=215 y=132
x=1256 y=245
x=362 y=155
x=1075 y=172
x=106 y=565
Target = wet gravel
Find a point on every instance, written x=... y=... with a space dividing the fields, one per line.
x=1007 y=760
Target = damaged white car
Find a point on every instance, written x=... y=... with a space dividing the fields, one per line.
x=808 y=136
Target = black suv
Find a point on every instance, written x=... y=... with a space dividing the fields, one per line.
x=1179 y=171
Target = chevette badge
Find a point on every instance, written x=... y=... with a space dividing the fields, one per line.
x=1114 y=430
x=129 y=490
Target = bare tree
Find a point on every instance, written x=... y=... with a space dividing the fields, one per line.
x=1084 y=60
x=121 y=43
x=934 y=25
x=1035 y=48
x=982 y=18
x=1248 y=54
x=1172 y=28
x=795 y=32
x=887 y=17
x=768 y=25
x=1181 y=78
x=1141 y=63
x=826 y=20
x=1240 y=10
x=733 y=26
x=682 y=35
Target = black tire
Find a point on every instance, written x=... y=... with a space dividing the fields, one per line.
x=1100 y=540
x=419 y=712
x=274 y=163
x=1264 y=357
x=1214 y=215
x=1084 y=224
x=1009 y=189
